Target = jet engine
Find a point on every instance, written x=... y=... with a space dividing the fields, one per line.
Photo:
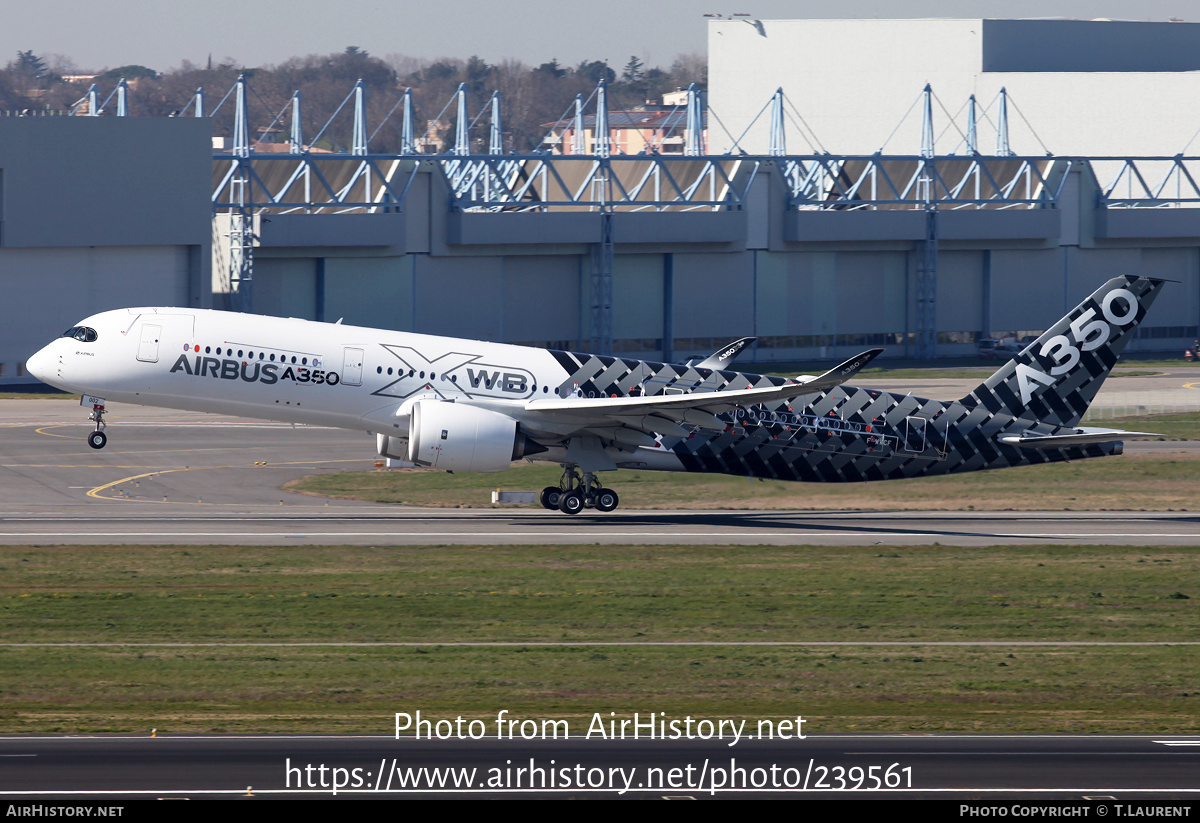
x=460 y=437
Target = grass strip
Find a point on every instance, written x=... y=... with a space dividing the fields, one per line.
x=621 y=594
x=630 y=595
x=1136 y=481
x=917 y=688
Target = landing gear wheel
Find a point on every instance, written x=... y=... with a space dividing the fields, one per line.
x=607 y=500
x=570 y=502
x=97 y=440
x=550 y=497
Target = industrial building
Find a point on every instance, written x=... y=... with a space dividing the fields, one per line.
x=1085 y=88
x=98 y=213
x=819 y=254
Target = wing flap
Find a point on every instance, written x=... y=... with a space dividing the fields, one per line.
x=651 y=423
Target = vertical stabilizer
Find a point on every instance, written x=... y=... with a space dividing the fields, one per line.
x=1055 y=378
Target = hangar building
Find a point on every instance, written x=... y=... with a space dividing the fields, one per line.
x=817 y=254
x=1077 y=87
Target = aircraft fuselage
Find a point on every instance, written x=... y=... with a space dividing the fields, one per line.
x=359 y=378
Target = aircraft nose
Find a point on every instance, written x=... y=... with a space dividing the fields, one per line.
x=41 y=364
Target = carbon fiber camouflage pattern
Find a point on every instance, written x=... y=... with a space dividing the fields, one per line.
x=854 y=434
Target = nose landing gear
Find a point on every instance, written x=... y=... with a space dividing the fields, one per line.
x=98 y=438
x=577 y=491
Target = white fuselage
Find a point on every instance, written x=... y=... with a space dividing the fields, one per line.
x=286 y=369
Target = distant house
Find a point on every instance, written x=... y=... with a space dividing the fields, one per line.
x=653 y=129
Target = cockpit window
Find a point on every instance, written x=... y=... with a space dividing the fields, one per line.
x=83 y=334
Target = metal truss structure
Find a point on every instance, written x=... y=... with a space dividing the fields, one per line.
x=1147 y=182
x=620 y=183
x=249 y=183
x=311 y=183
x=915 y=181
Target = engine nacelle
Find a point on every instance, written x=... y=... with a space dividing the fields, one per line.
x=460 y=437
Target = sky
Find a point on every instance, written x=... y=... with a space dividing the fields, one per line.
x=98 y=34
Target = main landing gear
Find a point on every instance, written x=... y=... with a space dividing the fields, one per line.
x=577 y=491
x=98 y=438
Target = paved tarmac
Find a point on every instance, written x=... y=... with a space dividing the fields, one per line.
x=698 y=758
x=188 y=478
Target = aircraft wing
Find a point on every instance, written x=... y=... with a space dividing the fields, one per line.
x=1082 y=437
x=662 y=413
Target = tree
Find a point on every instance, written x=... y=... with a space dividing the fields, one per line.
x=26 y=73
x=131 y=72
x=690 y=68
x=30 y=64
x=552 y=69
x=478 y=73
x=596 y=71
x=356 y=64
x=634 y=71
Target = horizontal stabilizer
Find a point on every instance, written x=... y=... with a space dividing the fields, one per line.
x=1081 y=437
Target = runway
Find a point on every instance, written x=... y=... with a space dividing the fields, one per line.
x=182 y=478
x=167 y=525
x=1071 y=770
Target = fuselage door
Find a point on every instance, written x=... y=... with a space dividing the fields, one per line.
x=352 y=366
x=914 y=434
x=148 y=343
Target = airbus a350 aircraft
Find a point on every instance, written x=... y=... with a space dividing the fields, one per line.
x=466 y=405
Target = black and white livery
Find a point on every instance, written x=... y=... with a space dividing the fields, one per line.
x=465 y=405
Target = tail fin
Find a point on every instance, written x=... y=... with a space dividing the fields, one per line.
x=1055 y=378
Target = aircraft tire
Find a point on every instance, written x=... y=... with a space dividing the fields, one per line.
x=550 y=497
x=571 y=502
x=607 y=500
x=97 y=440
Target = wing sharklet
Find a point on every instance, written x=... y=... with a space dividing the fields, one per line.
x=724 y=356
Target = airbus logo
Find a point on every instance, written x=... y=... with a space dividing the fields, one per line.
x=462 y=370
x=252 y=372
